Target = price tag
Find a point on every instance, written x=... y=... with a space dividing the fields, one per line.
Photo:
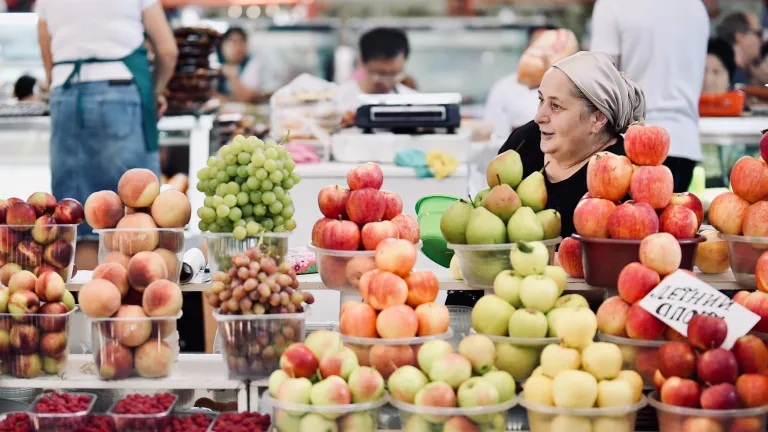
x=680 y=296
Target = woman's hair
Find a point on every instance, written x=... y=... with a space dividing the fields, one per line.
x=234 y=31
x=591 y=108
x=723 y=50
x=24 y=87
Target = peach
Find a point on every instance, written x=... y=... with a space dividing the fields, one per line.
x=162 y=298
x=365 y=283
x=726 y=213
x=642 y=325
x=751 y=354
x=387 y=289
x=115 y=273
x=8 y=240
x=129 y=332
x=712 y=254
x=50 y=287
x=114 y=361
x=103 y=209
x=753 y=389
x=131 y=210
x=749 y=179
x=137 y=234
x=702 y=424
x=69 y=212
x=7 y=271
x=153 y=359
x=173 y=241
x=359 y=320
x=118 y=258
x=397 y=256
x=22 y=215
x=29 y=253
x=53 y=324
x=145 y=268
x=434 y=318
x=43 y=203
x=407 y=228
x=636 y=281
x=612 y=316
x=53 y=344
x=44 y=268
x=569 y=255
x=23 y=280
x=138 y=187
x=45 y=230
x=171 y=209
x=171 y=262
x=387 y=358
x=653 y=185
x=591 y=215
x=133 y=297
x=661 y=253
x=679 y=221
x=398 y=321
x=633 y=220
x=755 y=222
x=422 y=288
x=356 y=267
x=99 y=298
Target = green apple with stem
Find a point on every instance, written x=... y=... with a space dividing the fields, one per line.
x=507 y=286
x=480 y=351
x=431 y=351
x=529 y=258
x=539 y=292
x=572 y=301
x=476 y=392
x=528 y=323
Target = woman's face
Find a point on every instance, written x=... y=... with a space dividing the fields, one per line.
x=234 y=48
x=716 y=78
x=565 y=130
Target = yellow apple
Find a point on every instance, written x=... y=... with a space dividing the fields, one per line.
x=557 y=358
x=615 y=393
x=635 y=380
x=518 y=361
x=576 y=327
x=574 y=389
x=507 y=286
x=557 y=274
x=538 y=389
x=602 y=359
x=612 y=424
x=571 y=423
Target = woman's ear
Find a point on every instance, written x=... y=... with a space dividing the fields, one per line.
x=599 y=120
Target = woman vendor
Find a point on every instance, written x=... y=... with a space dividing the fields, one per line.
x=585 y=104
x=240 y=73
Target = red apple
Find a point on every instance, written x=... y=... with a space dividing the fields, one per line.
x=21 y=213
x=690 y=201
x=608 y=176
x=671 y=334
x=751 y=354
x=749 y=179
x=69 y=212
x=679 y=221
x=298 y=361
x=701 y=424
x=366 y=205
x=761 y=272
x=677 y=359
x=653 y=185
x=3 y=210
x=641 y=324
x=612 y=316
x=394 y=205
x=755 y=222
x=757 y=302
x=726 y=213
x=661 y=252
x=636 y=281
x=569 y=255
x=317 y=232
x=332 y=201
x=680 y=392
x=741 y=297
x=590 y=218
x=706 y=332
x=753 y=389
x=341 y=235
x=374 y=232
x=396 y=255
x=367 y=175
x=407 y=228
x=646 y=145
x=633 y=220
x=720 y=397
x=717 y=366
x=658 y=380
x=43 y=203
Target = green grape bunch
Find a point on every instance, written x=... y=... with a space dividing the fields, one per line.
x=246 y=189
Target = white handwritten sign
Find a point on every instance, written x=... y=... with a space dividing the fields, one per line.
x=681 y=296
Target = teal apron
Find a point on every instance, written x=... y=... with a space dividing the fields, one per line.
x=138 y=63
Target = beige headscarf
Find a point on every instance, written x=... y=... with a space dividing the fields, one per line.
x=615 y=95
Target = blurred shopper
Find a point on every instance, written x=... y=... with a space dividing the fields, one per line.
x=721 y=66
x=24 y=88
x=759 y=72
x=105 y=101
x=745 y=34
x=241 y=73
x=667 y=61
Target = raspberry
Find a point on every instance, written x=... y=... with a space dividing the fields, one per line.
x=236 y=422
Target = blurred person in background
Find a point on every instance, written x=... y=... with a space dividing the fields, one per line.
x=721 y=65
x=745 y=34
x=759 y=72
x=668 y=61
x=105 y=100
x=24 y=89
x=241 y=73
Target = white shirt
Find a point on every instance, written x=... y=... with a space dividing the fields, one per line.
x=510 y=105
x=82 y=29
x=346 y=95
x=662 y=46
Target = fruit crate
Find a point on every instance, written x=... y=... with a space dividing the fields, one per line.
x=37 y=248
x=142 y=422
x=436 y=419
x=61 y=422
x=33 y=344
x=545 y=418
x=674 y=418
x=121 y=245
x=291 y=417
x=743 y=253
x=134 y=346
x=639 y=355
x=519 y=356
x=222 y=246
x=480 y=264
x=252 y=344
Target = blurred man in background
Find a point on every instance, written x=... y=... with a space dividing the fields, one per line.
x=745 y=34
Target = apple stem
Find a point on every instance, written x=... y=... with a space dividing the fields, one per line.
x=524 y=248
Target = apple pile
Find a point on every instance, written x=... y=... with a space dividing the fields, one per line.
x=444 y=379
x=743 y=211
x=236 y=422
x=339 y=380
x=698 y=373
x=757 y=302
x=38 y=235
x=583 y=377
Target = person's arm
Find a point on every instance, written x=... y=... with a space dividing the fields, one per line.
x=45 y=48
x=244 y=87
x=166 y=51
x=606 y=36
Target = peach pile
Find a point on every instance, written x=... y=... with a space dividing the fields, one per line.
x=338 y=380
x=38 y=235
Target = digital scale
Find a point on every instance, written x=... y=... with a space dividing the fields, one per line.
x=412 y=113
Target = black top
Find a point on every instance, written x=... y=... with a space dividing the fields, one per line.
x=563 y=195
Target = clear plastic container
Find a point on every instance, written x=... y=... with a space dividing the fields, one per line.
x=228 y=417
x=210 y=416
x=38 y=248
x=436 y=419
x=222 y=246
x=639 y=355
x=61 y=422
x=121 y=244
x=519 y=356
x=141 y=422
x=134 y=347
x=544 y=418
x=34 y=344
x=360 y=417
x=743 y=253
x=386 y=355
x=252 y=344
x=479 y=264
x=675 y=419
x=461 y=322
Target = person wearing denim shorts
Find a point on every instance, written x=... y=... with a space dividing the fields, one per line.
x=105 y=101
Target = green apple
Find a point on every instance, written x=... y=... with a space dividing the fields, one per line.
x=496 y=423
x=285 y=421
x=576 y=327
x=476 y=392
x=529 y=258
x=571 y=423
x=405 y=382
x=275 y=380
x=528 y=323
x=503 y=382
x=317 y=423
x=615 y=393
x=551 y=317
x=518 y=361
x=572 y=301
x=507 y=286
x=602 y=359
x=455 y=268
x=321 y=342
x=366 y=384
x=357 y=422
x=491 y=315
x=539 y=292
x=417 y=423
x=295 y=390
x=431 y=351
x=538 y=389
x=574 y=389
x=480 y=351
x=331 y=391
x=68 y=299
x=557 y=274
x=341 y=362
x=452 y=369
x=557 y=358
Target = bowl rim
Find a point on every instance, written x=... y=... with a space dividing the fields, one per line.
x=349 y=253
x=326 y=409
x=689 y=241
x=266 y=234
x=454 y=411
x=742 y=239
x=621 y=340
x=253 y=317
x=137 y=319
x=584 y=412
x=533 y=342
x=499 y=247
x=28 y=226
x=39 y=315
x=417 y=340
x=653 y=400
x=158 y=229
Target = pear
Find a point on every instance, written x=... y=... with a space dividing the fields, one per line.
x=550 y=222
x=506 y=168
x=533 y=191
x=524 y=226
x=480 y=197
x=502 y=201
x=485 y=228
x=453 y=223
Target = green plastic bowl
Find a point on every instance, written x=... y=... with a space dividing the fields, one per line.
x=429 y=210
x=434 y=204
